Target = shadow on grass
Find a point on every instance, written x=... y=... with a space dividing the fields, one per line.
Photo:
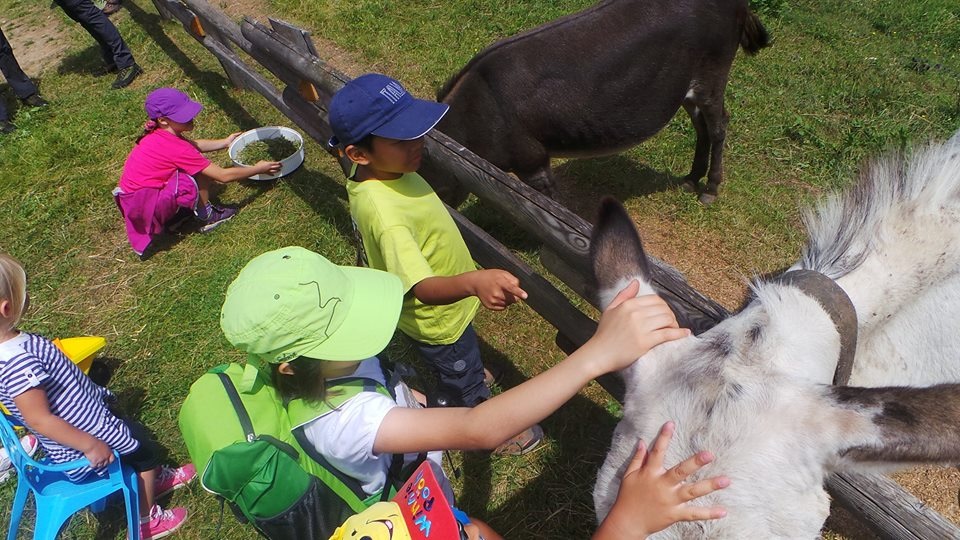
x=582 y=182
x=324 y=195
x=212 y=82
x=558 y=502
x=82 y=62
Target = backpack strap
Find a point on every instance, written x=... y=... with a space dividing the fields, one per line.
x=241 y=411
x=356 y=385
x=349 y=482
x=397 y=474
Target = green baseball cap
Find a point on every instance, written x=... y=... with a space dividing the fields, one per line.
x=293 y=302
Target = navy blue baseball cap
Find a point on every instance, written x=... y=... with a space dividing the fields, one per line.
x=374 y=104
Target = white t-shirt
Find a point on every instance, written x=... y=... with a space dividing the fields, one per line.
x=345 y=436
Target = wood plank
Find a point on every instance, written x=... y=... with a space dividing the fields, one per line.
x=543 y=297
x=161 y=6
x=302 y=41
x=271 y=50
x=215 y=21
x=189 y=19
x=577 y=282
x=299 y=38
x=318 y=129
x=886 y=508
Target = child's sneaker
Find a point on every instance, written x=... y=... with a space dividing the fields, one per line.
x=161 y=522
x=29 y=443
x=169 y=479
x=213 y=216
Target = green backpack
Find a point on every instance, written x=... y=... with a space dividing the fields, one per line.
x=239 y=436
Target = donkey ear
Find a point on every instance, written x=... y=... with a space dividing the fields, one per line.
x=616 y=251
x=909 y=424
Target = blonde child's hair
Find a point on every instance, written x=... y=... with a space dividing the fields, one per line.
x=13 y=288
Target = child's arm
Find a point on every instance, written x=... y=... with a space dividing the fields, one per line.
x=232 y=174
x=652 y=498
x=35 y=408
x=496 y=289
x=210 y=145
x=628 y=329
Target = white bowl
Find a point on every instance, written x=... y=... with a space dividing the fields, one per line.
x=287 y=164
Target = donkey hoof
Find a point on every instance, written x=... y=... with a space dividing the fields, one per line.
x=690 y=186
x=707 y=199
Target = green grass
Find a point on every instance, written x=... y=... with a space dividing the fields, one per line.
x=839 y=84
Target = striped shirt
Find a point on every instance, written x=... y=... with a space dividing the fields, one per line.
x=30 y=361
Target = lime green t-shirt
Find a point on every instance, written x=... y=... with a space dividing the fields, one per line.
x=407 y=231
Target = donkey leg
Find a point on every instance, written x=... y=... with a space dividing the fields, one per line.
x=715 y=116
x=699 y=169
x=541 y=180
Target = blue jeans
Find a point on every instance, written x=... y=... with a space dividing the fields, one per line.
x=458 y=367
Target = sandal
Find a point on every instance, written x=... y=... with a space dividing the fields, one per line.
x=522 y=443
x=111 y=7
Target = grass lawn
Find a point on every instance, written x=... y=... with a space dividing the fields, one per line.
x=844 y=80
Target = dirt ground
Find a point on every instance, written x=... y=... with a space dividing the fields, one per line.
x=41 y=37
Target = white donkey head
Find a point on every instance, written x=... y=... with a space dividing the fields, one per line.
x=755 y=388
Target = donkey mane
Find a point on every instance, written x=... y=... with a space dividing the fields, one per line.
x=452 y=81
x=843 y=228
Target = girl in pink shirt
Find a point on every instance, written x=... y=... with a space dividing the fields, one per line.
x=166 y=171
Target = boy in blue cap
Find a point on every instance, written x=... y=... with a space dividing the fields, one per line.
x=408 y=232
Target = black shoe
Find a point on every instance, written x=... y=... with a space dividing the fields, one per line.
x=105 y=70
x=34 y=100
x=126 y=76
x=7 y=127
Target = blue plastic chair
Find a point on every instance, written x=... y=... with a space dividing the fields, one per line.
x=57 y=497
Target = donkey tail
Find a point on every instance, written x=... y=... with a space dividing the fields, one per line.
x=753 y=35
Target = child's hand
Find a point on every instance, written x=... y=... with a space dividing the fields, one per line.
x=268 y=167
x=497 y=289
x=632 y=325
x=99 y=454
x=652 y=498
x=230 y=138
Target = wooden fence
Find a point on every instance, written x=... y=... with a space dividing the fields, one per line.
x=290 y=54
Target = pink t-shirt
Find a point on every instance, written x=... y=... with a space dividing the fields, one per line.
x=155 y=158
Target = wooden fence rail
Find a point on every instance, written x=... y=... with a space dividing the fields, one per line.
x=289 y=53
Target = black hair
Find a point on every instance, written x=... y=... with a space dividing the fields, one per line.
x=306 y=383
x=365 y=143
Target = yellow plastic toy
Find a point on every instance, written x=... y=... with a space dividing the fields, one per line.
x=80 y=350
x=382 y=521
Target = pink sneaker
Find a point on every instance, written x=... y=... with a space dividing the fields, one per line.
x=169 y=479
x=29 y=443
x=162 y=522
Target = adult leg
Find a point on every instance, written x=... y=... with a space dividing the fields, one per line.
x=22 y=86
x=112 y=47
